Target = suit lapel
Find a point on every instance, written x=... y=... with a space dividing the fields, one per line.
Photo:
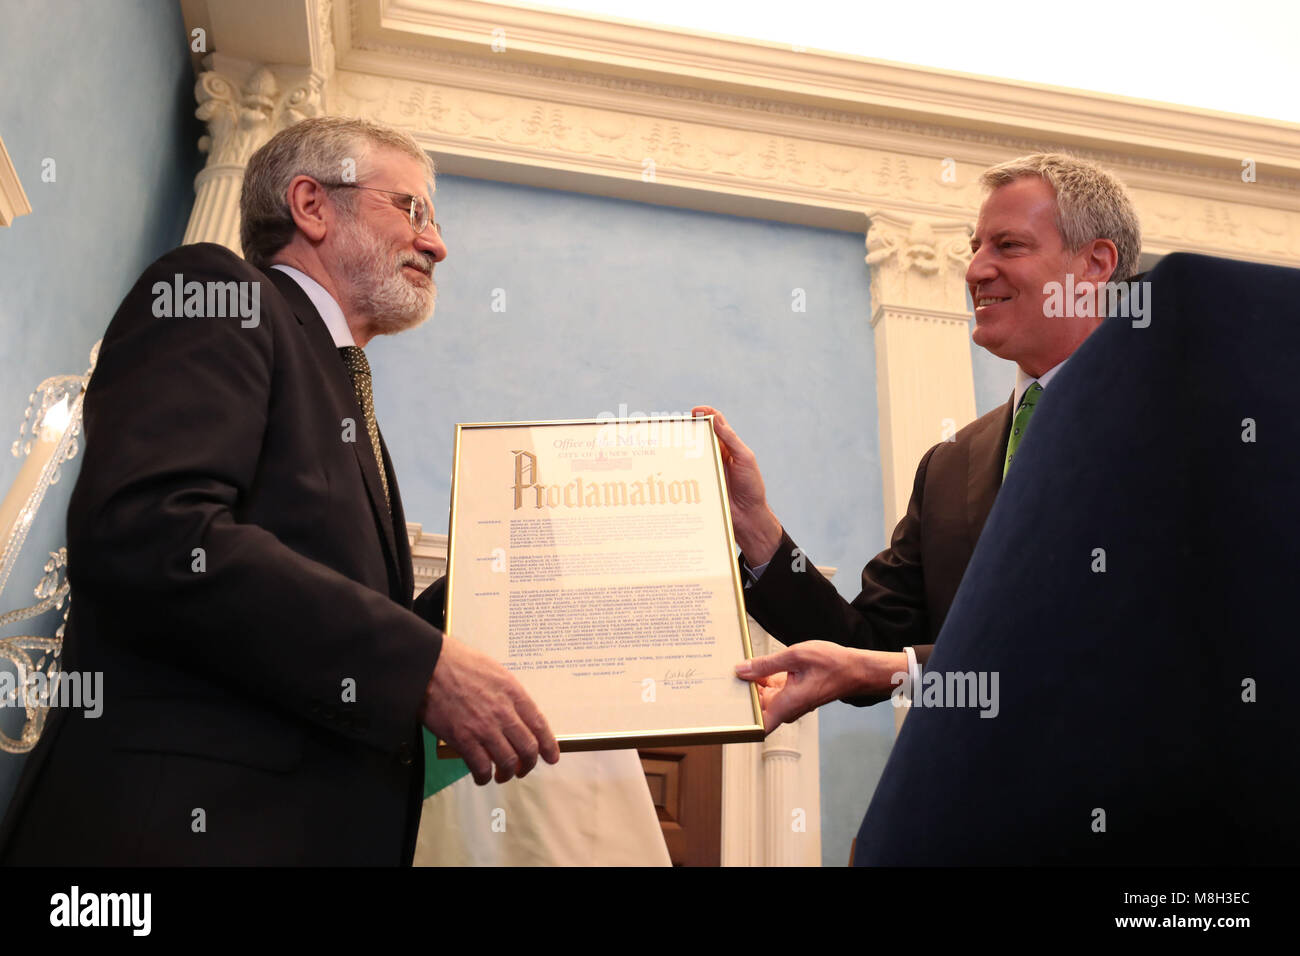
x=332 y=367
x=406 y=577
x=370 y=471
x=988 y=452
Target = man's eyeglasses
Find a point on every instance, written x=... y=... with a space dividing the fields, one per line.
x=416 y=206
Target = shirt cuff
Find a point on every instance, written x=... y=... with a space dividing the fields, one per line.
x=752 y=574
x=913 y=674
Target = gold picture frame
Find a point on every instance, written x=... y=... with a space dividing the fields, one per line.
x=679 y=584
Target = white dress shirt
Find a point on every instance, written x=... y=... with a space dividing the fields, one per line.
x=1024 y=380
x=329 y=310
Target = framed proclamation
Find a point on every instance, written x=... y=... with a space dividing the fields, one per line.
x=595 y=561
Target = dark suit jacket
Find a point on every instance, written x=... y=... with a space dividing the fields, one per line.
x=226 y=671
x=907 y=588
x=1148 y=709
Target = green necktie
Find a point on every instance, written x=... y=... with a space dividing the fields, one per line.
x=1020 y=423
x=359 y=370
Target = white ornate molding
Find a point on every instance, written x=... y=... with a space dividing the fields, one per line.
x=752 y=128
x=578 y=42
x=918 y=261
x=243 y=104
x=925 y=388
x=320 y=29
x=13 y=201
x=797 y=169
x=428 y=555
x=758 y=129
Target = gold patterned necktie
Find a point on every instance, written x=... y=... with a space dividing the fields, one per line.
x=359 y=369
x=1020 y=423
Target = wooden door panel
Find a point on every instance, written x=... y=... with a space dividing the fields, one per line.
x=686 y=787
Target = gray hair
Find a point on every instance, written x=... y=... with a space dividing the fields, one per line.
x=1091 y=203
x=325 y=148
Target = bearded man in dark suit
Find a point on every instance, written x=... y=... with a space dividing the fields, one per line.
x=1047 y=216
x=238 y=554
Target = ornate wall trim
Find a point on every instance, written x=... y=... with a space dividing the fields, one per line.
x=243 y=104
x=685 y=119
x=809 y=170
x=670 y=116
x=812 y=78
x=13 y=201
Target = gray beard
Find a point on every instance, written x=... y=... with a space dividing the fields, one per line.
x=378 y=288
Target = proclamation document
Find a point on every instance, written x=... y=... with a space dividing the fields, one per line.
x=595 y=561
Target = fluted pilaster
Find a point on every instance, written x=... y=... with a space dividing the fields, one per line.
x=925 y=387
x=244 y=104
x=781 y=791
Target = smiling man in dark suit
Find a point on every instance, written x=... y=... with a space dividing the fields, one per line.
x=1047 y=217
x=238 y=554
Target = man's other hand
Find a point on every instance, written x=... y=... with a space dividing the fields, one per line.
x=478 y=707
x=804 y=677
x=758 y=532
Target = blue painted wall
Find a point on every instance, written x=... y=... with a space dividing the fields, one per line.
x=106 y=91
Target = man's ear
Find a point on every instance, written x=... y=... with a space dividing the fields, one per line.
x=308 y=204
x=1099 y=260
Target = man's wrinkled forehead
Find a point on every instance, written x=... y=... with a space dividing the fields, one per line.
x=409 y=172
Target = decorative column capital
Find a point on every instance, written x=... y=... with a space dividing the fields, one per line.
x=925 y=388
x=245 y=104
x=918 y=261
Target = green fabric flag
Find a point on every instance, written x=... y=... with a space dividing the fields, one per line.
x=439 y=774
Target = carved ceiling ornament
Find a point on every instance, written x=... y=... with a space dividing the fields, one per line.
x=728 y=125
x=244 y=105
x=1177 y=210
x=919 y=261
